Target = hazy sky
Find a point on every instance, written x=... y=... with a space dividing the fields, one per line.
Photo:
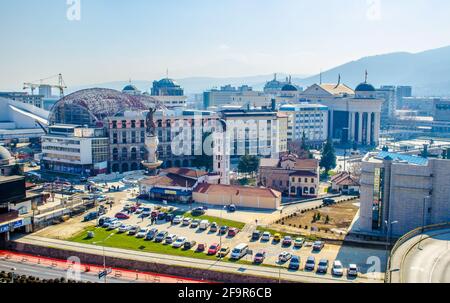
x=139 y=39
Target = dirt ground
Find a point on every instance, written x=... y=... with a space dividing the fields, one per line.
x=340 y=217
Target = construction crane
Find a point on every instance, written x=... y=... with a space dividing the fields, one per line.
x=33 y=85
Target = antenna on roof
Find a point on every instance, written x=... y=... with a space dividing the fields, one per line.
x=275 y=76
x=320 y=77
x=339 y=81
x=367 y=74
x=167 y=73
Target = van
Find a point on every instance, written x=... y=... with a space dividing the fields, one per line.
x=239 y=251
x=204 y=224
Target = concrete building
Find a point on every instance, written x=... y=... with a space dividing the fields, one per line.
x=345 y=183
x=389 y=95
x=168 y=93
x=354 y=116
x=400 y=193
x=441 y=110
x=35 y=100
x=308 y=119
x=241 y=196
x=131 y=90
x=274 y=86
x=290 y=175
x=8 y=164
x=402 y=92
x=243 y=96
x=75 y=150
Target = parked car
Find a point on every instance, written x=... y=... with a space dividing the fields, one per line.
x=122 y=216
x=195 y=223
x=225 y=250
x=213 y=249
x=146 y=212
x=214 y=227
x=155 y=214
x=189 y=245
x=161 y=236
x=239 y=251
x=299 y=242
x=90 y=216
x=338 y=269
x=223 y=230
x=287 y=241
x=318 y=245
x=170 y=239
x=179 y=242
x=256 y=235
x=169 y=217
x=322 y=267
x=102 y=220
x=233 y=232
x=310 y=263
x=266 y=236
x=284 y=256
x=294 y=264
x=352 y=270
x=133 y=230
x=187 y=221
x=142 y=233
x=151 y=234
x=124 y=228
x=232 y=208
x=139 y=210
x=204 y=224
x=177 y=220
x=277 y=237
x=161 y=216
x=198 y=211
x=114 y=225
x=328 y=201
x=201 y=247
x=259 y=257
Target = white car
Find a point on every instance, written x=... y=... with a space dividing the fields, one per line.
x=139 y=210
x=187 y=221
x=170 y=239
x=266 y=236
x=352 y=270
x=114 y=225
x=284 y=256
x=142 y=233
x=177 y=220
x=179 y=242
x=338 y=269
x=124 y=228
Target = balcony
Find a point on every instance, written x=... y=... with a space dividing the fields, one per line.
x=11 y=215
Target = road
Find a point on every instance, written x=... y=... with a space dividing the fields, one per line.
x=264 y=271
x=423 y=259
x=43 y=272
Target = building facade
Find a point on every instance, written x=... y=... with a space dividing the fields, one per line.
x=400 y=193
x=168 y=93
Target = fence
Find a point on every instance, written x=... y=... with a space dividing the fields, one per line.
x=406 y=237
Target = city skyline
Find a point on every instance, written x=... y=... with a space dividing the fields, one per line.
x=141 y=40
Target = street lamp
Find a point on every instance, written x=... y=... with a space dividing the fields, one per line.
x=104 y=255
x=220 y=233
x=388 y=233
x=423 y=219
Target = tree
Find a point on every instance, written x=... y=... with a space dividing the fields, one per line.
x=328 y=161
x=248 y=164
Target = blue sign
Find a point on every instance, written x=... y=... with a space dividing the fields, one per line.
x=4 y=228
x=17 y=224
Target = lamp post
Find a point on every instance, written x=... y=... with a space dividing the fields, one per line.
x=104 y=255
x=388 y=233
x=423 y=220
x=220 y=233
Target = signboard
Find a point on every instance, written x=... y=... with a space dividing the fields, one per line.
x=4 y=228
x=170 y=192
x=104 y=273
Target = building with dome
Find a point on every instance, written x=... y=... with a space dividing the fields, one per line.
x=169 y=93
x=354 y=115
x=274 y=87
x=8 y=165
x=131 y=90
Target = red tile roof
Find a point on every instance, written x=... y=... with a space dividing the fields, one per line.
x=169 y=180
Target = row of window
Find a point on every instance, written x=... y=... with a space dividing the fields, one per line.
x=62 y=149
x=123 y=124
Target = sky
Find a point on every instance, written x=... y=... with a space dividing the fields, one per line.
x=116 y=40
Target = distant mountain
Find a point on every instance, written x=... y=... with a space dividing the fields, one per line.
x=192 y=85
x=427 y=72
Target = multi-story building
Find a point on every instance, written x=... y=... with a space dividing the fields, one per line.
x=290 y=175
x=442 y=110
x=402 y=92
x=354 y=116
x=400 y=193
x=307 y=120
x=35 y=100
x=388 y=94
x=275 y=86
x=242 y=96
x=75 y=150
x=168 y=93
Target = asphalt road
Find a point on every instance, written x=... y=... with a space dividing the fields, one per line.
x=428 y=262
x=43 y=272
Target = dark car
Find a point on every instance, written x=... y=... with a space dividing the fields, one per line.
x=189 y=245
x=310 y=263
x=294 y=264
x=169 y=217
x=322 y=267
x=256 y=235
x=328 y=201
x=161 y=236
x=201 y=247
x=223 y=230
x=232 y=208
x=259 y=257
x=151 y=234
x=91 y=216
x=162 y=216
x=198 y=211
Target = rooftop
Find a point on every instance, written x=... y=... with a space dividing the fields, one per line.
x=220 y=189
x=169 y=180
x=185 y=172
x=415 y=160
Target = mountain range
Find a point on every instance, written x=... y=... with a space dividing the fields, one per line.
x=428 y=72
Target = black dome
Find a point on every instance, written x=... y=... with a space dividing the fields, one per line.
x=289 y=88
x=365 y=87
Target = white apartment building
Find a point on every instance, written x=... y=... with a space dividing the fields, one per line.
x=309 y=119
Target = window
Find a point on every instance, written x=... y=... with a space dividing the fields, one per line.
x=133 y=123
x=124 y=124
x=114 y=124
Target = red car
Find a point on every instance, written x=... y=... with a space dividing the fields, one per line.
x=201 y=247
x=259 y=257
x=122 y=216
x=213 y=249
x=233 y=232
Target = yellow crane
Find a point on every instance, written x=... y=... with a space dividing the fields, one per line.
x=60 y=85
